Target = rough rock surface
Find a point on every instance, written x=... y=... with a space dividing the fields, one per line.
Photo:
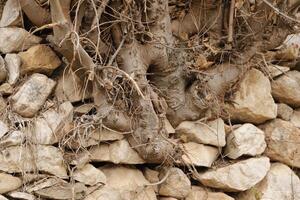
x=6 y=89
x=9 y=183
x=16 y=39
x=11 y=15
x=12 y=139
x=236 y=177
x=245 y=140
x=199 y=193
x=176 y=185
x=3 y=70
x=89 y=175
x=247 y=107
x=13 y=63
x=212 y=133
x=284 y=111
x=199 y=154
x=3 y=129
x=286 y=88
x=283 y=140
x=32 y=95
x=280 y=183
x=39 y=59
x=295 y=118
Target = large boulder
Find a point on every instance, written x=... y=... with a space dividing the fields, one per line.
x=39 y=59
x=283 y=140
x=14 y=39
x=9 y=183
x=199 y=193
x=48 y=159
x=199 y=154
x=247 y=105
x=245 y=140
x=286 y=88
x=280 y=183
x=212 y=133
x=32 y=95
x=13 y=63
x=176 y=184
x=236 y=177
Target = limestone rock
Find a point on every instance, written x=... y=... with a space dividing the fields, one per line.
x=3 y=71
x=11 y=15
x=199 y=193
x=6 y=89
x=283 y=140
x=39 y=59
x=254 y=89
x=276 y=70
x=3 y=129
x=16 y=39
x=9 y=183
x=284 y=111
x=11 y=139
x=280 y=183
x=286 y=88
x=3 y=198
x=13 y=63
x=25 y=159
x=21 y=195
x=212 y=133
x=295 y=118
x=176 y=185
x=199 y=154
x=116 y=152
x=246 y=140
x=105 y=193
x=89 y=175
x=32 y=95
x=153 y=177
x=236 y=177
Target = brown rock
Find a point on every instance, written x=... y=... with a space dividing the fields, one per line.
x=39 y=59
x=3 y=71
x=284 y=111
x=9 y=183
x=295 y=118
x=89 y=175
x=199 y=193
x=11 y=15
x=6 y=89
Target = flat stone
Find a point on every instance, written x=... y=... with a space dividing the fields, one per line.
x=21 y=195
x=13 y=63
x=32 y=95
x=212 y=132
x=280 y=183
x=247 y=105
x=9 y=183
x=283 y=140
x=200 y=193
x=11 y=15
x=3 y=70
x=245 y=140
x=176 y=185
x=284 y=111
x=89 y=175
x=286 y=88
x=276 y=70
x=39 y=59
x=116 y=152
x=14 y=39
x=236 y=177
x=48 y=159
x=199 y=154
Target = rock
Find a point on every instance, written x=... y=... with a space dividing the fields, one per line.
x=284 y=111
x=21 y=195
x=84 y=108
x=276 y=70
x=153 y=177
x=132 y=185
x=176 y=185
x=89 y=175
x=280 y=183
x=3 y=71
x=13 y=63
x=12 y=139
x=16 y=39
x=3 y=129
x=116 y=152
x=212 y=133
x=104 y=135
x=3 y=104
x=6 y=89
x=167 y=198
x=245 y=140
x=9 y=183
x=247 y=104
x=48 y=159
x=199 y=193
x=168 y=126
x=236 y=177
x=47 y=129
x=295 y=118
x=199 y=154
x=283 y=140
x=105 y=193
x=286 y=88
x=71 y=88
x=32 y=95
x=3 y=198
x=11 y=15
x=39 y=59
